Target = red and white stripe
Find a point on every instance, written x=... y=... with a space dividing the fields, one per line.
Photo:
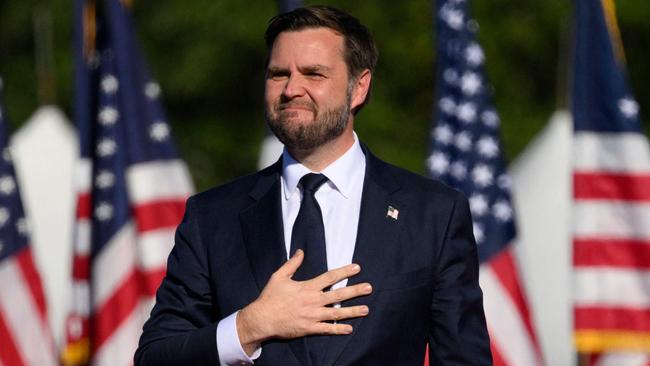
x=79 y=308
x=611 y=236
x=124 y=277
x=25 y=337
x=512 y=338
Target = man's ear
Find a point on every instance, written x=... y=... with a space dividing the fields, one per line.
x=360 y=89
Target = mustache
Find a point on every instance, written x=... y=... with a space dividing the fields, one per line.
x=292 y=104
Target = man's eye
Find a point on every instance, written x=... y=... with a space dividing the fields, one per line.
x=277 y=75
x=315 y=75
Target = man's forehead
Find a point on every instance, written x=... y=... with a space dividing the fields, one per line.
x=309 y=47
x=305 y=67
x=308 y=29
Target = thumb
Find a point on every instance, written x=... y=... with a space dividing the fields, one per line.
x=291 y=266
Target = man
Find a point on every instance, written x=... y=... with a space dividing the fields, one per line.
x=248 y=279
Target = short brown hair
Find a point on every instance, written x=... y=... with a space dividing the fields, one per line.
x=360 y=50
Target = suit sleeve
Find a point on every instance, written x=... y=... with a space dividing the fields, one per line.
x=458 y=335
x=182 y=328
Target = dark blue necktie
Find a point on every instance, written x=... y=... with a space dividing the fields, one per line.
x=309 y=235
x=308 y=231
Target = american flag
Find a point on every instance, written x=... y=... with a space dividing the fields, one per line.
x=131 y=189
x=466 y=154
x=611 y=190
x=25 y=337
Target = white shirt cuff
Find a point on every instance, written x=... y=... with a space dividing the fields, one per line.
x=230 y=350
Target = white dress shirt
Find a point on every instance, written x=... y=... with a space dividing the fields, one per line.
x=340 y=202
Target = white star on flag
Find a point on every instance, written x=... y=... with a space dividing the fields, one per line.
x=106 y=147
x=108 y=116
x=463 y=141
x=103 y=211
x=447 y=105
x=444 y=134
x=629 y=107
x=438 y=162
x=502 y=211
x=478 y=204
x=504 y=181
x=490 y=118
x=22 y=226
x=104 y=179
x=152 y=90
x=474 y=54
x=453 y=18
x=109 y=84
x=7 y=185
x=159 y=131
x=450 y=76
x=470 y=83
x=458 y=170
x=482 y=175
x=466 y=112
x=487 y=147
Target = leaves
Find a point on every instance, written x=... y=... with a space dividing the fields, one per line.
x=209 y=57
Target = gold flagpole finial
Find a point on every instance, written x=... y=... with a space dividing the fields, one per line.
x=89 y=28
x=609 y=9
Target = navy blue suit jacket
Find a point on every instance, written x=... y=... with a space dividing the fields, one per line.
x=423 y=267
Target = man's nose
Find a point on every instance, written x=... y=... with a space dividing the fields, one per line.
x=294 y=87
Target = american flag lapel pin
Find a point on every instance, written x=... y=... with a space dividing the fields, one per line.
x=392 y=212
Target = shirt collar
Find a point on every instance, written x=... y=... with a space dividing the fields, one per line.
x=342 y=173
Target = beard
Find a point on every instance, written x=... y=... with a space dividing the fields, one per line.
x=304 y=135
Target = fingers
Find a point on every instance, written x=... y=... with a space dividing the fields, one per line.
x=332 y=329
x=338 y=314
x=346 y=293
x=342 y=313
x=291 y=266
x=329 y=278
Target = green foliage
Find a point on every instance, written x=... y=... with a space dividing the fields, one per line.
x=209 y=56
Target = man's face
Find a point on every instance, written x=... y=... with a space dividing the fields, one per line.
x=307 y=94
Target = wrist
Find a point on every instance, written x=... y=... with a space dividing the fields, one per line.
x=249 y=329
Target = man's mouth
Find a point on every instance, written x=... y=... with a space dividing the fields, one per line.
x=295 y=107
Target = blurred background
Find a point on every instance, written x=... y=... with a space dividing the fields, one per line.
x=208 y=57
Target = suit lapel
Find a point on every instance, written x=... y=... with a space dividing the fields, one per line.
x=377 y=236
x=264 y=238
x=262 y=227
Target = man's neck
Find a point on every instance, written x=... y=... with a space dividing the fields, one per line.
x=320 y=157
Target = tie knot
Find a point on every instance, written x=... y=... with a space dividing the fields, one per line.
x=312 y=181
